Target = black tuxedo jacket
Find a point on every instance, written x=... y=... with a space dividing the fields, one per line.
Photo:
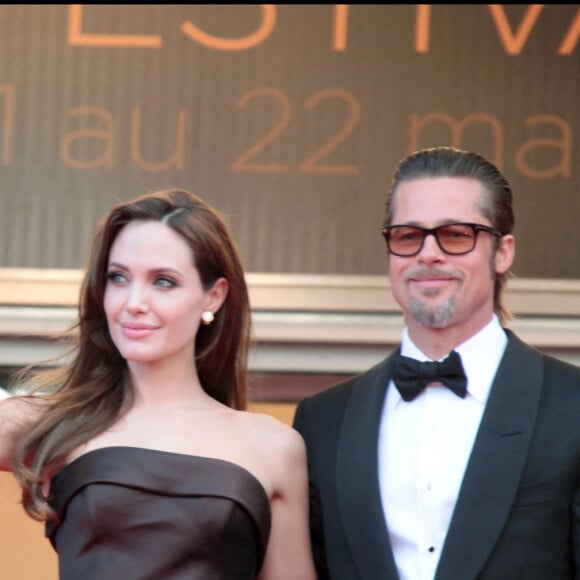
x=517 y=516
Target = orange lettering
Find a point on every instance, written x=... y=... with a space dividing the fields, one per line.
x=457 y=128
x=244 y=43
x=8 y=90
x=422 y=28
x=564 y=145
x=513 y=43
x=340 y=27
x=107 y=136
x=175 y=160
x=572 y=37
x=77 y=38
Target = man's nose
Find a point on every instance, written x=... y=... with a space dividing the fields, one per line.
x=430 y=251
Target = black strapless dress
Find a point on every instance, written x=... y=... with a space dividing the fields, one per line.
x=129 y=513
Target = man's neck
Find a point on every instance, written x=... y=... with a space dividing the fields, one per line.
x=437 y=343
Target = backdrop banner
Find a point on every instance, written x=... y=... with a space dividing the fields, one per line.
x=289 y=119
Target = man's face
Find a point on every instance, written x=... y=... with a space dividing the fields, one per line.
x=439 y=290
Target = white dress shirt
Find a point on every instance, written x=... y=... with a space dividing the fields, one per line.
x=424 y=446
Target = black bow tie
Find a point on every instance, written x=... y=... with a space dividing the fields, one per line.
x=412 y=376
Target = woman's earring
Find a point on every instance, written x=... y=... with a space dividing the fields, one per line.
x=207 y=317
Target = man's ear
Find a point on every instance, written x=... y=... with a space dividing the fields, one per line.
x=505 y=253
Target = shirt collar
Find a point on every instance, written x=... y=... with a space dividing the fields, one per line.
x=480 y=368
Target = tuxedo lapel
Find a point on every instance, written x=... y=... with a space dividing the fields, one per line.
x=496 y=463
x=357 y=475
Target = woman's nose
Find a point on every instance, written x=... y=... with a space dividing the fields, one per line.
x=138 y=299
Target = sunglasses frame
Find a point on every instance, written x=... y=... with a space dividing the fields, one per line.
x=476 y=228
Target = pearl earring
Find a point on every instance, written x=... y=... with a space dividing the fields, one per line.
x=207 y=317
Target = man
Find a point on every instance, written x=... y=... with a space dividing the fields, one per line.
x=412 y=480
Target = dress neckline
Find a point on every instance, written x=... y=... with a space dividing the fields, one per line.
x=138 y=449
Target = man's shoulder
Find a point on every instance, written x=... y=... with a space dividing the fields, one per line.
x=563 y=369
x=553 y=366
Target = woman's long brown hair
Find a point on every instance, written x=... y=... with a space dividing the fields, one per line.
x=84 y=395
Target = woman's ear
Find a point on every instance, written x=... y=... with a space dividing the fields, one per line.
x=216 y=295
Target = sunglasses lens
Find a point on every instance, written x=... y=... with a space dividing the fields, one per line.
x=452 y=239
x=405 y=240
x=456 y=238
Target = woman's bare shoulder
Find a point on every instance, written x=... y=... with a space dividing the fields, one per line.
x=274 y=434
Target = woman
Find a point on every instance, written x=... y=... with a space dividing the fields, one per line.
x=137 y=450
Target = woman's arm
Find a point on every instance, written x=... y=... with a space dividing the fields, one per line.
x=289 y=555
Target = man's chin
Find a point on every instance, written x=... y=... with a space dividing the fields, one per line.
x=439 y=316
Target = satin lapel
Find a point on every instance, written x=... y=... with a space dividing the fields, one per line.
x=496 y=464
x=357 y=476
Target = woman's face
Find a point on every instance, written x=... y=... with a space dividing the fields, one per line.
x=153 y=295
